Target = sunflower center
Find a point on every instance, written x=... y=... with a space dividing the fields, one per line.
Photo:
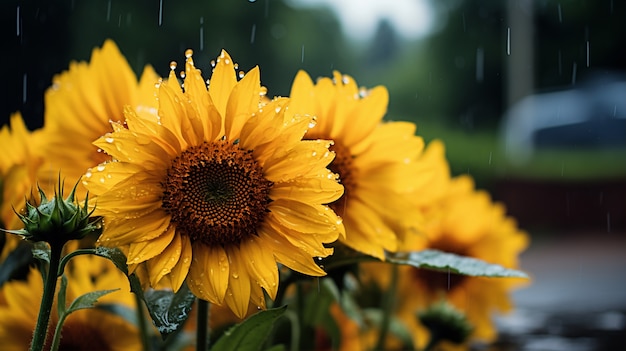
x=438 y=280
x=216 y=193
x=342 y=165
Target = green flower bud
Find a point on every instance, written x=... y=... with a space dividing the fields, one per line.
x=445 y=323
x=57 y=220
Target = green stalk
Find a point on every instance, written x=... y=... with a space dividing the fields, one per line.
x=388 y=305
x=202 y=332
x=143 y=326
x=49 y=289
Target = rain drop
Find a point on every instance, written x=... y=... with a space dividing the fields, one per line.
x=100 y=168
x=189 y=52
x=252 y=34
x=173 y=65
x=109 y=140
x=241 y=74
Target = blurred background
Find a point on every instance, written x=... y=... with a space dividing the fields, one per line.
x=528 y=96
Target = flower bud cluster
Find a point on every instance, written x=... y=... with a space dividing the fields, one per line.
x=57 y=220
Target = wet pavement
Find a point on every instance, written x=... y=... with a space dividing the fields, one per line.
x=577 y=299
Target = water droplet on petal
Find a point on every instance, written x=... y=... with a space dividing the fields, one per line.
x=100 y=168
x=173 y=65
x=188 y=53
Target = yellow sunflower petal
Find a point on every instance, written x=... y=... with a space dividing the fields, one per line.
x=308 y=242
x=163 y=263
x=222 y=82
x=304 y=217
x=209 y=273
x=316 y=190
x=376 y=235
x=181 y=269
x=261 y=265
x=145 y=250
x=243 y=101
x=238 y=293
x=288 y=254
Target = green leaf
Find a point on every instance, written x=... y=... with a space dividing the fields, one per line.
x=87 y=300
x=115 y=255
x=16 y=262
x=447 y=262
x=249 y=334
x=169 y=310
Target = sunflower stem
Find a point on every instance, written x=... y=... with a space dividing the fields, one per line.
x=50 y=284
x=202 y=332
x=387 y=307
x=143 y=327
x=69 y=256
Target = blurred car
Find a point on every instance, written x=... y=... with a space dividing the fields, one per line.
x=590 y=115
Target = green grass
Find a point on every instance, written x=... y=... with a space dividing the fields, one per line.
x=481 y=155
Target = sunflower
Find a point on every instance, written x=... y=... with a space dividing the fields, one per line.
x=468 y=223
x=463 y=221
x=376 y=161
x=86 y=329
x=217 y=188
x=18 y=171
x=79 y=107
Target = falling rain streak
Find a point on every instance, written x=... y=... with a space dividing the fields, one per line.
x=302 y=54
x=160 y=12
x=201 y=33
x=109 y=11
x=18 y=21
x=253 y=34
x=587 y=53
x=508 y=41
x=24 y=88
x=574 y=73
x=480 y=64
x=560 y=14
